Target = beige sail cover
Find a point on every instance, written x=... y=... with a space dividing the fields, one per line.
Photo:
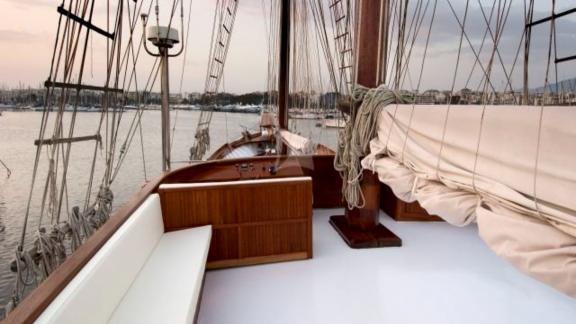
x=511 y=169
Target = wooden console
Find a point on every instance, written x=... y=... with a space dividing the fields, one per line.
x=326 y=182
x=403 y=211
x=253 y=221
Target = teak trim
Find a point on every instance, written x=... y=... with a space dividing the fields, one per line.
x=213 y=265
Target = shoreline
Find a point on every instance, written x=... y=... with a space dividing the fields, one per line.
x=295 y=112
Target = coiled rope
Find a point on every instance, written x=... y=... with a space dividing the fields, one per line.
x=202 y=145
x=48 y=250
x=354 y=140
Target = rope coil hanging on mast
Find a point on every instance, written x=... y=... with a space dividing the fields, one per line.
x=354 y=141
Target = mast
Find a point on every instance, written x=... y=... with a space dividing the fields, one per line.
x=370 y=41
x=165 y=92
x=360 y=227
x=164 y=38
x=284 y=75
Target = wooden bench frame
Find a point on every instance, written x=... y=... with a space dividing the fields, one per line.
x=254 y=221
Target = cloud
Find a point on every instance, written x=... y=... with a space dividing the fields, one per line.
x=16 y=36
x=32 y=3
x=446 y=31
x=445 y=36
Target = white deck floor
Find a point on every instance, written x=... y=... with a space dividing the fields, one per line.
x=442 y=274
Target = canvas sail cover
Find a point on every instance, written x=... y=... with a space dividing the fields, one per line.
x=511 y=169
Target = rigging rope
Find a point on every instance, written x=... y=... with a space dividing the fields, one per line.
x=47 y=250
x=8 y=171
x=448 y=109
x=182 y=70
x=541 y=114
x=224 y=17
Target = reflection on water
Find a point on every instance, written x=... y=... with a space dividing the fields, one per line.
x=18 y=130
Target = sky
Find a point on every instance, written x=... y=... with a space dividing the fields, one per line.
x=442 y=54
x=27 y=32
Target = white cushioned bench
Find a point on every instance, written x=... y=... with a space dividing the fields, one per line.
x=141 y=275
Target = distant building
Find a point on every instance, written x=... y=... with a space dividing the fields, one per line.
x=194 y=96
x=433 y=97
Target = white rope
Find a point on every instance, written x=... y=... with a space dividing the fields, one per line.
x=198 y=150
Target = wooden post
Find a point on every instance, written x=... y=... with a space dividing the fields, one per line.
x=360 y=227
x=284 y=73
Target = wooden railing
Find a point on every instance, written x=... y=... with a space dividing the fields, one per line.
x=326 y=188
x=35 y=303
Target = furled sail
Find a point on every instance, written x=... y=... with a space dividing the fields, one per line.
x=508 y=168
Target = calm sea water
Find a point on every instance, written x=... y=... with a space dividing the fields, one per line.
x=18 y=130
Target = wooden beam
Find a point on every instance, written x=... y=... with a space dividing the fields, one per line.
x=553 y=17
x=83 y=22
x=49 y=84
x=565 y=59
x=50 y=141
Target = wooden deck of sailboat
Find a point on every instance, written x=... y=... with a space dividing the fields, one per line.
x=442 y=274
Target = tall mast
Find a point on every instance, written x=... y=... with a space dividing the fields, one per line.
x=370 y=38
x=284 y=75
x=360 y=227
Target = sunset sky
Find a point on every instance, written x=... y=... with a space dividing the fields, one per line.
x=27 y=32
